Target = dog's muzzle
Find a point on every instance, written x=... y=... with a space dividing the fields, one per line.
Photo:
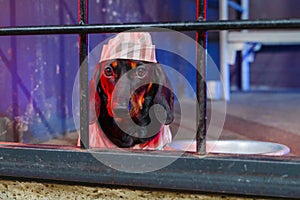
x=120 y=107
x=120 y=101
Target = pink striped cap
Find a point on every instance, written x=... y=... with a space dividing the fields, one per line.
x=130 y=45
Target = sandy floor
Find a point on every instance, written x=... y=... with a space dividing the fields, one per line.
x=44 y=191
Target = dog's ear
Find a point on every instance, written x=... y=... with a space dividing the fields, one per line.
x=95 y=100
x=164 y=96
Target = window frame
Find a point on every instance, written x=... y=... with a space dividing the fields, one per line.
x=232 y=174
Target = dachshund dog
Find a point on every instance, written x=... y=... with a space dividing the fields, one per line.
x=131 y=103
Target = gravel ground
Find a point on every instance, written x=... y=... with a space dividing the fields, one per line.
x=46 y=191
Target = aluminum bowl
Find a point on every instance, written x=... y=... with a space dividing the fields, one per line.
x=234 y=147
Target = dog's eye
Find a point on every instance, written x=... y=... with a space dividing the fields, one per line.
x=133 y=64
x=141 y=72
x=108 y=71
x=114 y=64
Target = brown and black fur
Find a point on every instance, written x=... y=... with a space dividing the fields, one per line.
x=133 y=98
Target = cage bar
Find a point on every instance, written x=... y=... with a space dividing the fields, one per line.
x=201 y=80
x=176 y=26
x=83 y=52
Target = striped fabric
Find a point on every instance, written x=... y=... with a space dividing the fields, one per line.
x=130 y=45
x=98 y=139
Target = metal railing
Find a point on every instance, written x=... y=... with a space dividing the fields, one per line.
x=177 y=26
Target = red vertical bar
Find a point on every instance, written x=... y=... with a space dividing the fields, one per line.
x=201 y=79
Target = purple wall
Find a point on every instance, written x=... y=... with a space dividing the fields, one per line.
x=37 y=73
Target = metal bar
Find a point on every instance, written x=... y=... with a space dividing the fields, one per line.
x=201 y=80
x=178 y=26
x=222 y=174
x=281 y=37
x=83 y=52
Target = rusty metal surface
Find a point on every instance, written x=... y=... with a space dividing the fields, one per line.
x=201 y=38
x=177 y=26
x=84 y=97
x=262 y=176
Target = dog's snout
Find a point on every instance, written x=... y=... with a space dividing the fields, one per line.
x=120 y=112
x=120 y=107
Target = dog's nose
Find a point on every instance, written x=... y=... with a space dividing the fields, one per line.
x=120 y=98
x=120 y=112
x=120 y=107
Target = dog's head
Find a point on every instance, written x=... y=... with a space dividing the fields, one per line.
x=122 y=94
x=128 y=82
